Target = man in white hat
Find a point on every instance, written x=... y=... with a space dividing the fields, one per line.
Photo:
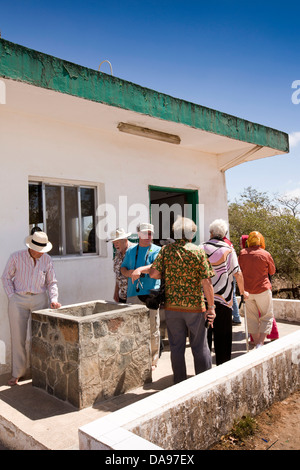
x=120 y=241
x=29 y=281
x=136 y=267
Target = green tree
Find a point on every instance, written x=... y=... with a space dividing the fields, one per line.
x=276 y=219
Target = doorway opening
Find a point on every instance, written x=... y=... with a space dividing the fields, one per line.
x=165 y=205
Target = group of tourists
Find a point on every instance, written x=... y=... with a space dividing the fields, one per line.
x=199 y=290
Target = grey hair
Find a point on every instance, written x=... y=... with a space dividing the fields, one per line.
x=218 y=228
x=184 y=228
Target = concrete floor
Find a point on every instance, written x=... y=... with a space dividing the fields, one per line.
x=32 y=419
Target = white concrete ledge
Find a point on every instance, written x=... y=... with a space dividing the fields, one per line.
x=284 y=309
x=287 y=310
x=197 y=412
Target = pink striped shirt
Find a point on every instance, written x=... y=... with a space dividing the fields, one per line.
x=21 y=275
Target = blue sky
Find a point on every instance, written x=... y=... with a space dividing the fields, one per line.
x=237 y=57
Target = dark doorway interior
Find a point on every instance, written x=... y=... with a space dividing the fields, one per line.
x=165 y=205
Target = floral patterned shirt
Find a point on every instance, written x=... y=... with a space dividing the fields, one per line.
x=185 y=265
x=121 y=280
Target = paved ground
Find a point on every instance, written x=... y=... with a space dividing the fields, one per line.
x=39 y=420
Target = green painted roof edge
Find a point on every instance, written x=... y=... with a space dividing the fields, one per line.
x=43 y=70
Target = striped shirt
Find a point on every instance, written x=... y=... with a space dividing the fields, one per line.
x=21 y=275
x=224 y=261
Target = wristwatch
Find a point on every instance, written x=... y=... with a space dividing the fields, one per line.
x=210 y=306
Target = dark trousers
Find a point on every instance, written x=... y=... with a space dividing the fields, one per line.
x=179 y=326
x=221 y=333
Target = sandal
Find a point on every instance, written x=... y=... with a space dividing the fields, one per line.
x=13 y=381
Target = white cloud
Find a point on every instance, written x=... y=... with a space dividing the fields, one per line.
x=293 y=193
x=294 y=139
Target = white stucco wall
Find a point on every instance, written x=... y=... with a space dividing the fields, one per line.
x=122 y=165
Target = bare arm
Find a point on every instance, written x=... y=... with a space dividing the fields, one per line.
x=154 y=274
x=116 y=293
x=135 y=273
x=240 y=282
x=209 y=295
x=126 y=272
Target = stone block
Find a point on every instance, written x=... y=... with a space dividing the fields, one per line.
x=91 y=351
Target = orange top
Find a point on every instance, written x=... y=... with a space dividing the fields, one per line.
x=256 y=265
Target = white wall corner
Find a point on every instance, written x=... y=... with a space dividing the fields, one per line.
x=2 y=92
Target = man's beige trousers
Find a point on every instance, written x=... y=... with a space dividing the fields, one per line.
x=20 y=307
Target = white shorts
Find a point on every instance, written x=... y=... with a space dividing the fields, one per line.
x=260 y=303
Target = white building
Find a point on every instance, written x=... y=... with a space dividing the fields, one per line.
x=74 y=139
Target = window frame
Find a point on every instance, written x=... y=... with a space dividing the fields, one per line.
x=78 y=185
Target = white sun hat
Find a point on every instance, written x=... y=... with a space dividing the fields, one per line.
x=38 y=242
x=118 y=234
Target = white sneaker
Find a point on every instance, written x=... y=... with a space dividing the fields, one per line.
x=258 y=346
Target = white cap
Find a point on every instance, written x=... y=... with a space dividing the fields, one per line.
x=145 y=228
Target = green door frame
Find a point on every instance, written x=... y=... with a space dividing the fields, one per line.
x=192 y=198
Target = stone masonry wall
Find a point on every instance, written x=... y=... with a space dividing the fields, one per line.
x=83 y=359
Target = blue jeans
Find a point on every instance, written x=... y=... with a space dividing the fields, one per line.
x=235 y=307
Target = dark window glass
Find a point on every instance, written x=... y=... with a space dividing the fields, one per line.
x=67 y=214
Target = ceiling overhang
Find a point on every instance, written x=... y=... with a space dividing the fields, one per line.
x=44 y=85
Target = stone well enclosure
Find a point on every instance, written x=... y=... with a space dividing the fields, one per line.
x=90 y=351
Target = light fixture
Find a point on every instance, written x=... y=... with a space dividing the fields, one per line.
x=149 y=133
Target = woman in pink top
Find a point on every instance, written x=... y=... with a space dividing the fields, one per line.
x=274 y=332
x=257 y=265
